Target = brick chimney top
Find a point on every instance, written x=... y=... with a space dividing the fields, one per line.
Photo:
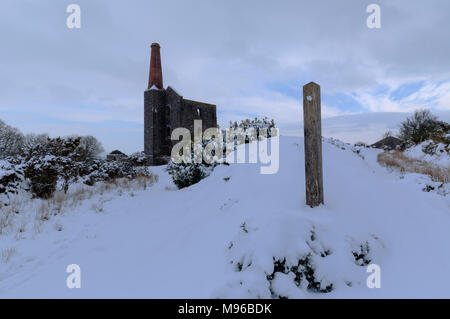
x=155 y=76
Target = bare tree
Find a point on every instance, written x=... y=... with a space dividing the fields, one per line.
x=422 y=125
x=90 y=147
x=387 y=134
x=11 y=140
x=32 y=141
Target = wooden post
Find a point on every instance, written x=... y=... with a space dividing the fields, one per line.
x=313 y=144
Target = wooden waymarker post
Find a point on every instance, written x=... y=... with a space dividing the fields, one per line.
x=313 y=144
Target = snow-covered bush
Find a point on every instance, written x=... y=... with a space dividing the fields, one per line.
x=43 y=175
x=291 y=257
x=100 y=170
x=51 y=164
x=188 y=171
x=48 y=162
x=138 y=159
x=257 y=124
x=11 y=177
x=432 y=148
x=32 y=141
x=187 y=174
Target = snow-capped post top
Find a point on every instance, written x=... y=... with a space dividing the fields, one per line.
x=155 y=76
x=313 y=144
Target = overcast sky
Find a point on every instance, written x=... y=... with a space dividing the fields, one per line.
x=251 y=58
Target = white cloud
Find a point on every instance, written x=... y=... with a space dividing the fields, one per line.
x=431 y=95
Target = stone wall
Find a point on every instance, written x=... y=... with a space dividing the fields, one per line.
x=154 y=119
x=165 y=110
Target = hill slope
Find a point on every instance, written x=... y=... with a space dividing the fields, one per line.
x=221 y=238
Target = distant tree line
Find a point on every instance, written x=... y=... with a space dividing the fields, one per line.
x=15 y=143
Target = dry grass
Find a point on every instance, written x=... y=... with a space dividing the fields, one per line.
x=398 y=160
x=74 y=197
x=15 y=213
x=5 y=221
x=8 y=214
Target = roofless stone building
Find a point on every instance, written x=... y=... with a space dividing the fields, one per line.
x=165 y=110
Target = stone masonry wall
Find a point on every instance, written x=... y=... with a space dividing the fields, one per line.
x=165 y=110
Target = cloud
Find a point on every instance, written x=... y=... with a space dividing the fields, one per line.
x=251 y=58
x=427 y=95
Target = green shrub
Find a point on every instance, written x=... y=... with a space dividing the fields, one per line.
x=186 y=174
x=43 y=176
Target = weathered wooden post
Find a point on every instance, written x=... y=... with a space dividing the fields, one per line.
x=313 y=144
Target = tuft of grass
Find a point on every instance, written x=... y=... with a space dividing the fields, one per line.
x=43 y=211
x=58 y=226
x=98 y=206
x=400 y=161
x=7 y=254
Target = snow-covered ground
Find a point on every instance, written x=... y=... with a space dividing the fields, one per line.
x=220 y=237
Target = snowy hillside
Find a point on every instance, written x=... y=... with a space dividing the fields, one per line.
x=238 y=233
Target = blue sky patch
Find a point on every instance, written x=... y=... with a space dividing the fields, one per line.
x=406 y=90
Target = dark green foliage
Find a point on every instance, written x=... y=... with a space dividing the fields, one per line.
x=303 y=271
x=43 y=176
x=138 y=159
x=261 y=126
x=362 y=257
x=68 y=160
x=185 y=174
x=11 y=177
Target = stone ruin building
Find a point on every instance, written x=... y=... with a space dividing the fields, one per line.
x=165 y=110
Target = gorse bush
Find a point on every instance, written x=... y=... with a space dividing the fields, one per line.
x=262 y=126
x=51 y=164
x=188 y=172
x=43 y=176
x=11 y=177
x=45 y=165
